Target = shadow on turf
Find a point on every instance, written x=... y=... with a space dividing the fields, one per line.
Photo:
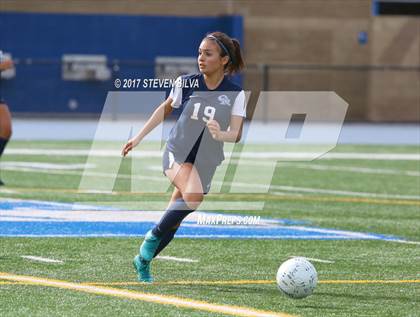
x=224 y=288
x=275 y=292
x=320 y=307
x=259 y=291
x=369 y=296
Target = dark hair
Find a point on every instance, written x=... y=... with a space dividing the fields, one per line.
x=228 y=47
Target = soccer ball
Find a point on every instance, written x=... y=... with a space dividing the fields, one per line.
x=297 y=277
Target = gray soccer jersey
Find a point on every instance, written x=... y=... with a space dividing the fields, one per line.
x=190 y=135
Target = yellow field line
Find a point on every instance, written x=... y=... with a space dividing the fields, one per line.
x=242 y=282
x=369 y=281
x=235 y=282
x=255 y=196
x=146 y=297
x=11 y=283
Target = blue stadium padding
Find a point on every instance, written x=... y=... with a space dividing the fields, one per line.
x=39 y=88
x=375 y=7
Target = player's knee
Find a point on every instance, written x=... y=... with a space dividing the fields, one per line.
x=193 y=200
x=5 y=122
x=7 y=133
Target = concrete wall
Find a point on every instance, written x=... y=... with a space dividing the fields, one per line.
x=395 y=95
x=292 y=32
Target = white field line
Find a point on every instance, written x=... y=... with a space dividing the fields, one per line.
x=96 y=174
x=7 y=191
x=364 y=170
x=40 y=259
x=250 y=155
x=338 y=192
x=46 y=166
x=317 y=167
x=313 y=259
x=349 y=169
x=79 y=207
x=243 y=185
x=54 y=166
x=172 y=258
x=145 y=297
x=343 y=233
x=403 y=241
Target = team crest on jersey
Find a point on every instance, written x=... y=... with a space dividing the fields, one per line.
x=224 y=100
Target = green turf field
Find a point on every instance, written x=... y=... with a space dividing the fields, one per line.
x=366 y=278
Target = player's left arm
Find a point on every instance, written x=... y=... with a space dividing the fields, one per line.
x=233 y=134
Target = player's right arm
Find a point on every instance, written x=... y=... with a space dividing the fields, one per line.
x=160 y=114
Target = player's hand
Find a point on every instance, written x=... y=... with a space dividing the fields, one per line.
x=214 y=129
x=129 y=146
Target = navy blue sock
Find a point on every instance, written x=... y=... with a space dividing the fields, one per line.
x=165 y=240
x=172 y=218
x=3 y=143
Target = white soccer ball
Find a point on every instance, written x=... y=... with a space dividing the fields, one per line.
x=297 y=277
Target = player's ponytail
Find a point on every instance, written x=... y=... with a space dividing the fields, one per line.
x=238 y=62
x=231 y=48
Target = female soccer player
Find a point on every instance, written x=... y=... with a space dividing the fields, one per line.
x=5 y=117
x=211 y=115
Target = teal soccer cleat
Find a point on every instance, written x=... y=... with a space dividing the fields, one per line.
x=149 y=246
x=143 y=269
